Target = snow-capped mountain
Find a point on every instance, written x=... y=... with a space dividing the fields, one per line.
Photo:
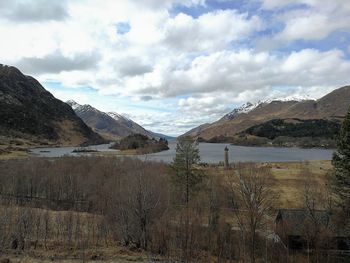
x=110 y=125
x=332 y=105
x=289 y=98
x=245 y=108
x=248 y=107
x=73 y=104
x=116 y=116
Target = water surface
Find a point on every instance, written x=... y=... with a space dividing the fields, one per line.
x=212 y=153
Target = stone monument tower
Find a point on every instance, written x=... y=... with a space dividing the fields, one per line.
x=226 y=163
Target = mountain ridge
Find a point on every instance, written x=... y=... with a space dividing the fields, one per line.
x=31 y=115
x=111 y=125
x=333 y=105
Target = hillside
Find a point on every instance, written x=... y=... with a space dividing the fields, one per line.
x=110 y=125
x=30 y=115
x=197 y=130
x=290 y=132
x=333 y=106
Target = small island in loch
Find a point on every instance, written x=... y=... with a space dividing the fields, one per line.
x=84 y=150
x=140 y=144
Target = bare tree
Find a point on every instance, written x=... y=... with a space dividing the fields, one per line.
x=140 y=198
x=317 y=223
x=252 y=200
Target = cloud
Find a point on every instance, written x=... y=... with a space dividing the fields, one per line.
x=233 y=72
x=326 y=4
x=146 y=98
x=211 y=31
x=33 y=11
x=132 y=66
x=170 y=3
x=272 y=4
x=194 y=65
x=56 y=63
x=312 y=26
x=309 y=19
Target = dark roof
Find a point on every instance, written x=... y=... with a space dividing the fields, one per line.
x=298 y=220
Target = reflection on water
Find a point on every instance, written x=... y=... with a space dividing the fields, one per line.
x=212 y=153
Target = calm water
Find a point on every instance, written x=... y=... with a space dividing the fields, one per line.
x=213 y=153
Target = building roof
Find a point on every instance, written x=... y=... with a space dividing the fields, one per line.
x=298 y=221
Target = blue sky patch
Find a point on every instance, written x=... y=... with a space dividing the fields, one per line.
x=123 y=28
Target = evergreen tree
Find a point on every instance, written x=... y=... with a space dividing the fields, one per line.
x=340 y=179
x=186 y=177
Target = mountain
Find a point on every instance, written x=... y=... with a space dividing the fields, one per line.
x=130 y=124
x=197 y=130
x=290 y=132
x=245 y=108
x=110 y=125
x=30 y=115
x=331 y=107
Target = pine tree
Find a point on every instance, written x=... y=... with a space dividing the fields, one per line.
x=340 y=179
x=186 y=177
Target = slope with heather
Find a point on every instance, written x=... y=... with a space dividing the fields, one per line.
x=30 y=115
x=331 y=107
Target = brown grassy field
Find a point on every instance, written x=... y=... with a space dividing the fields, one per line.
x=106 y=255
x=290 y=178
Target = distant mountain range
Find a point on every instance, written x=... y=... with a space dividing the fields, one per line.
x=30 y=115
x=110 y=125
x=233 y=127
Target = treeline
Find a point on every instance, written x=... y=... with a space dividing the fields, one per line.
x=286 y=133
x=79 y=202
x=141 y=143
x=84 y=202
x=296 y=128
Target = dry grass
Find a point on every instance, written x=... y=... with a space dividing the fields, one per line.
x=115 y=254
x=290 y=179
x=59 y=252
x=13 y=155
x=68 y=133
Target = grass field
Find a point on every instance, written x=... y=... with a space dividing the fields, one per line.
x=290 y=178
x=13 y=155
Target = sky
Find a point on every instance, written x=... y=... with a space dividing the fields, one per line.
x=171 y=65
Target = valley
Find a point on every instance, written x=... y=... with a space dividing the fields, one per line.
x=80 y=184
x=175 y=131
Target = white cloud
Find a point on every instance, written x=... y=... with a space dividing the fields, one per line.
x=235 y=72
x=211 y=31
x=169 y=3
x=209 y=61
x=33 y=11
x=272 y=4
x=312 y=26
x=313 y=21
x=56 y=63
